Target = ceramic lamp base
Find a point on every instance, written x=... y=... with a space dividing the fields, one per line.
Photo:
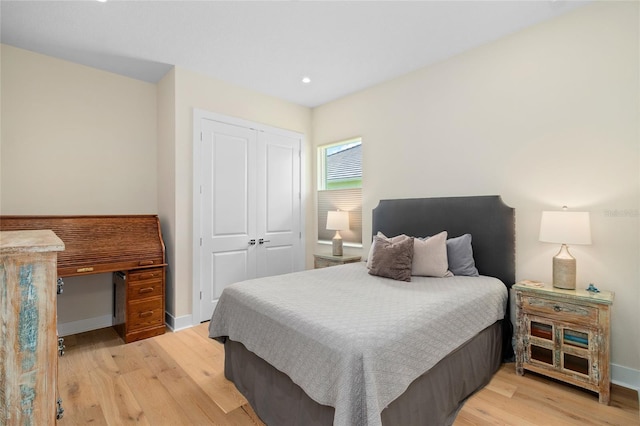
x=564 y=269
x=336 y=246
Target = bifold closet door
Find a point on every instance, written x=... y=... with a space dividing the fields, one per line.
x=251 y=207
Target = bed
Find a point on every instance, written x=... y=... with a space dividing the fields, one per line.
x=341 y=346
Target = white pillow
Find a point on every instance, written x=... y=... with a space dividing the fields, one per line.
x=430 y=256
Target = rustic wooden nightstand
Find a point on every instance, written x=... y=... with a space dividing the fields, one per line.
x=324 y=260
x=564 y=334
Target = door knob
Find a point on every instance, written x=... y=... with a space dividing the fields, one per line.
x=262 y=241
x=252 y=242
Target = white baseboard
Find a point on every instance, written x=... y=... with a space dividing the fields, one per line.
x=625 y=376
x=88 y=324
x=179 y=323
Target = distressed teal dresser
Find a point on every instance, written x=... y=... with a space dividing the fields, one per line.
x=29 y=349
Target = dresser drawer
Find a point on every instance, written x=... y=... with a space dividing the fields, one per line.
x=145 y=274
x=145 y=313
x=144 y=289
x=559 y=310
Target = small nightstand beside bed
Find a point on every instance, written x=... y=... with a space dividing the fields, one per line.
x=565 y=334
x=341 y=346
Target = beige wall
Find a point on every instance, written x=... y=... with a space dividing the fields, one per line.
x=193 y=90
x=545 y=117
x=76 y=140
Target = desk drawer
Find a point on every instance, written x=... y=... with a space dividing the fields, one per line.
x=145 y=313
x=562 y=311
x=145 y=274
x=144 y=290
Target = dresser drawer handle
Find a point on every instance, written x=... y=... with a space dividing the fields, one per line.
x=145 y=290
x=145 y=314
x=557 y=308
x=145 y=262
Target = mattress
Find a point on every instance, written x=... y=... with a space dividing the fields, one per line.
x=354 y=341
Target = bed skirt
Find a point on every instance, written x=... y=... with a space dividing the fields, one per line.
x=432 y=399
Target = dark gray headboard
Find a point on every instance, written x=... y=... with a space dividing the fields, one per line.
x=490 y=222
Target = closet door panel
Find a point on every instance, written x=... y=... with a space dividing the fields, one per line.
x=228 y=267
x=230 y=201
x=280 y=189
x=229 y=208
x=279 y=260
x=279 y=202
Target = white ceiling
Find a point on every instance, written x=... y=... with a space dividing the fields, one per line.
x=344 y=46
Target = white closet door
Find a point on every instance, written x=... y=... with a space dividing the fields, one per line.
x=229 y=209
x=279 y=204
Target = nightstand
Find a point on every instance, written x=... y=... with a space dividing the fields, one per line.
x=324 y=260
x=564 y=334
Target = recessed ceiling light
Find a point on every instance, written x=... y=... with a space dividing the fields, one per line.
x=306 y=80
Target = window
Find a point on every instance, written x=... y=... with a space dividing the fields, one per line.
x=340 y=188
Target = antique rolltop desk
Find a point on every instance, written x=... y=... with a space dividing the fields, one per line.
x=129 y=246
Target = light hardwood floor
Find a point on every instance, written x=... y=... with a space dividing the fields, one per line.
x=177 y=379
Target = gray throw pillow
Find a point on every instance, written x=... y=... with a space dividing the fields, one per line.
x=392 y=259
x=460 y=256
x=373 y=244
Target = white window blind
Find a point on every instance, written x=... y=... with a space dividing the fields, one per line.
x=349 y=200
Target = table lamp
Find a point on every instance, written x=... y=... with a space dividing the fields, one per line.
x=565 y=227
x=337 y=221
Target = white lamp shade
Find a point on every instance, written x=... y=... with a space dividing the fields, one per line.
x=565 y=227
x=337 y=221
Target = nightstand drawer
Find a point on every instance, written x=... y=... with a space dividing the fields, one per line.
x=562 y=311
x=324 y=263
x=326 y=260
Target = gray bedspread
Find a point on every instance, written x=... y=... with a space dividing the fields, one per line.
x=351 y=340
